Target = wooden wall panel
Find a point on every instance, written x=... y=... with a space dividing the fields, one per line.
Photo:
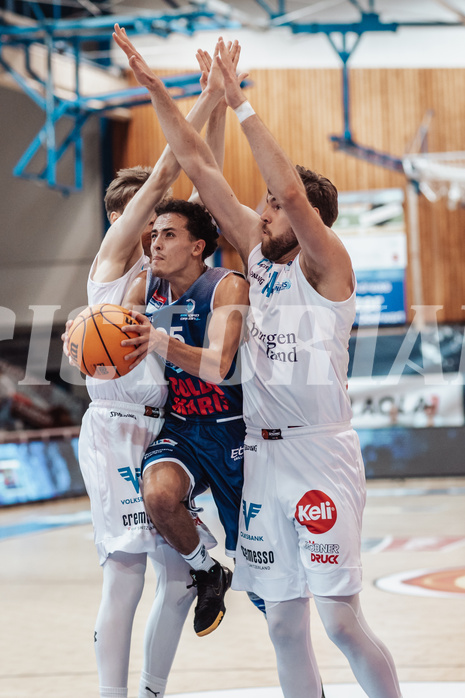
x=302 y=108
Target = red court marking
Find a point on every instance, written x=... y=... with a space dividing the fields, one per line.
x=434 y=582
x=442 y=580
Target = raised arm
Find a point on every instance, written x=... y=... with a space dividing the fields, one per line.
x=239 y=224
x=121 y=246
x=213 y=362
x=324 y=259
x=216 y=124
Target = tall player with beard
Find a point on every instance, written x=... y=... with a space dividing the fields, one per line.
x=304 y=489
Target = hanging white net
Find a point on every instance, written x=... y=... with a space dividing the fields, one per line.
x=439 y=175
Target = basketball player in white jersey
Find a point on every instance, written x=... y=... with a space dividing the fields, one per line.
x=304 y=491
x=124 y=417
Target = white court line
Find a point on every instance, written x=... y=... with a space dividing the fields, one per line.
x=451 y=689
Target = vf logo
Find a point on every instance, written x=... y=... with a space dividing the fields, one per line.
x=250 y=512
x=127 y=474
x=316 y=511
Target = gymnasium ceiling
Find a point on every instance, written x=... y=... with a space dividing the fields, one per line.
x=61 y=54
x=90 y=21
x=255 y=11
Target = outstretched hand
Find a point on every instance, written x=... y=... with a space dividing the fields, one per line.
x=205 y=63
x=139 y=67
x=211 y=74
x=227 y=58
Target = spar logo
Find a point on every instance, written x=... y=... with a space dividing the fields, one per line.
x=316 y=511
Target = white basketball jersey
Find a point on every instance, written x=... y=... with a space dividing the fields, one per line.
x=295 y=355
x=145 y=385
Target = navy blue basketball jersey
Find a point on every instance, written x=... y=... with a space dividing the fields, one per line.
x=187 y=320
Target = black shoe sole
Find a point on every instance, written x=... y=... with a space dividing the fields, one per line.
x=220 y=616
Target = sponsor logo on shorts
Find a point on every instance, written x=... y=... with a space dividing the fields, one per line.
x=250 y=512
x=324 y=559
x=127 y=474
x=163 y=442
x=258 y=557
x=237 y=453
x=253 y=448
x=325 y=554
x=137 y=518
x=316 y=511
x=249 y=537
x=157 y=447
x=134 y=500
x=120 y=414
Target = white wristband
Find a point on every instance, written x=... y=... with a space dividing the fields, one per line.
x=244 y=110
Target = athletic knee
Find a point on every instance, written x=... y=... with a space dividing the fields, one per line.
x=164 y=490
x=161 y=504
x=339 y=631
x=282 y=631
x=340 y=622
x=122 y=586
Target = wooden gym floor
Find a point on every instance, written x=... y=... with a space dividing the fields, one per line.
x=414 y=593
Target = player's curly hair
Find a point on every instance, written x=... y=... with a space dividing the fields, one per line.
x=199 y=222
x=321 y=193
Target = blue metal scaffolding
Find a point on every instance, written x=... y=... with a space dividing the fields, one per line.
x=60 y=34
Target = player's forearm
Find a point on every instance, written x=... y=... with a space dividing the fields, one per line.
x=167 y=168
x=214 y=135
x=211 y=365
x=182 y=136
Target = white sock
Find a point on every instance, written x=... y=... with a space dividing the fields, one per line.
x=199 y=559
x=109 y=692
x=151 y=686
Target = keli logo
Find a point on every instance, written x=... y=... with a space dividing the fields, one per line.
x=316 y=511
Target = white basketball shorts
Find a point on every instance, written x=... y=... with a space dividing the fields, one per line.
x=301 y=518
x=114 y=437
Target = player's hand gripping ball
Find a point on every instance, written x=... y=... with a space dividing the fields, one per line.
x=95 y=337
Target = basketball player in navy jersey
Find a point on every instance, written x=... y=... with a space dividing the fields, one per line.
x=194 y=309
x=304 y=487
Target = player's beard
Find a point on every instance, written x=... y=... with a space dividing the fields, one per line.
x=276 y=248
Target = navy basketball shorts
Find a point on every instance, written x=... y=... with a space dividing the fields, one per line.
x=211 y=452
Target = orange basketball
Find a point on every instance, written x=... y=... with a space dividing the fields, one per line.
x=95 y=341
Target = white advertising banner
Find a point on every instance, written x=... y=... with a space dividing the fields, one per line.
x=372 y=227
x=408 y=402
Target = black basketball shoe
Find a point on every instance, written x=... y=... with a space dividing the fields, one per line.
x=211 y=588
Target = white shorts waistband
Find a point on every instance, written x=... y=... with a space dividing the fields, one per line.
x=146 y=410
x=278 y=433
